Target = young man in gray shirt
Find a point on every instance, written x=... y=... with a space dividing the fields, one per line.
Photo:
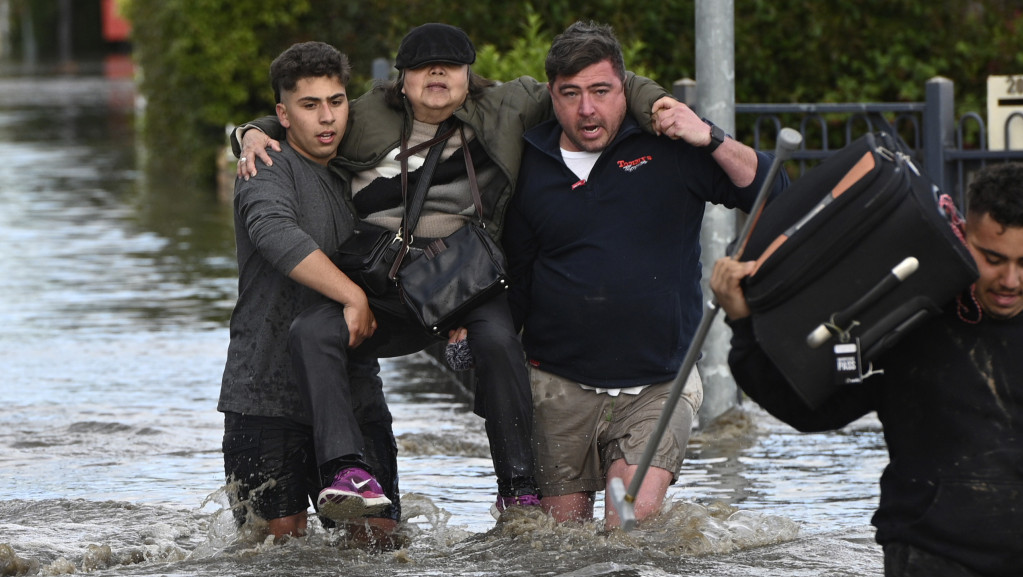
x=288 y=218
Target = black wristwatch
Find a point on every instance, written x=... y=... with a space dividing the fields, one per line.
x=717 y=136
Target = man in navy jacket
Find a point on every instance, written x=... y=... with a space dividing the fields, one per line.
x=602 y=239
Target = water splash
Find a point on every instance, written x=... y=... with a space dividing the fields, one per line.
x=12 y=564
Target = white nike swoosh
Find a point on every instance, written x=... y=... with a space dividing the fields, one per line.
x=360 y=485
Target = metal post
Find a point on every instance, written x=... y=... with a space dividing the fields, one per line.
x=5 y=29
x=684 y=90
x=939 y=130
x=29 y=47
x=381 y=69
x=64 y=38
x=715 y=62
x=715 y=101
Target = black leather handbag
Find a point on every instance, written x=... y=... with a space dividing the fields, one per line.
x=367 y=257
x=454 y=274
x=370 y=257
x=444 y=280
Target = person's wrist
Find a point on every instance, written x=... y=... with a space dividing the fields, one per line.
x=716 y=137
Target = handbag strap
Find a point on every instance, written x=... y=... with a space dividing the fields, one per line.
x=413 y=206
x=469 y=168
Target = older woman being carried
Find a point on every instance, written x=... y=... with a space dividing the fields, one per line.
x=435 y=83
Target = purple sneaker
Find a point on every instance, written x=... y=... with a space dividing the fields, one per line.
x=354 y=493
x=503 y=503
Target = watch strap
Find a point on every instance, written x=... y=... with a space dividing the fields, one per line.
x=717 y=136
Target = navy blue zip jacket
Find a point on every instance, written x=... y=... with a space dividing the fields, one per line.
x=606 y=272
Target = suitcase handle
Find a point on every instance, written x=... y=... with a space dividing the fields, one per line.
x=843 y=321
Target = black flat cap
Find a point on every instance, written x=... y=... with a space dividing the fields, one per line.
x=434 y=43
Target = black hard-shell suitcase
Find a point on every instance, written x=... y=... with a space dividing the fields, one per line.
x=826 y=297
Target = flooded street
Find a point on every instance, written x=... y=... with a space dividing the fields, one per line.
x=115 y=293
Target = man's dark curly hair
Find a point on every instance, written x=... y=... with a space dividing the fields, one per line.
x=307 y=60
x=997 y=190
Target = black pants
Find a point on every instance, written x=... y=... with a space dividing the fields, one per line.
x=259 y=449
x=321 y=357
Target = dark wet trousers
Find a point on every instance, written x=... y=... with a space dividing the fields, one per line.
x=373 y=418
x=902 y=560
x=321 y=358
x=258 y=449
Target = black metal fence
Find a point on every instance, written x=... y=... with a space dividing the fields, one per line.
x=949 y=149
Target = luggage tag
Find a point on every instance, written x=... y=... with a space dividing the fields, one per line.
x=849 y=364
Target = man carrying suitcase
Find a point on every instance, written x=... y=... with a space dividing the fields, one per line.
x=950 y=399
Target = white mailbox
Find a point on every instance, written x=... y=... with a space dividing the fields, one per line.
x=1005 y=107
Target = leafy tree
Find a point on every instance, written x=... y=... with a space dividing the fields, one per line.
x=205 y=61
x=202 y=63
x=527 y=54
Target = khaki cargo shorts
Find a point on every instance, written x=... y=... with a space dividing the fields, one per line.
x=578 y=433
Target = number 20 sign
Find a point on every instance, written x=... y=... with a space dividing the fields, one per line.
x=1005 y=112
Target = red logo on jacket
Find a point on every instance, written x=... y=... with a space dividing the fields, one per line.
x=630 y=165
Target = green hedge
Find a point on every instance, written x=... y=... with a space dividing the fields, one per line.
x=205 y=61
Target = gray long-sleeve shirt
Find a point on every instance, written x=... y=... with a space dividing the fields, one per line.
x=282 y=215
